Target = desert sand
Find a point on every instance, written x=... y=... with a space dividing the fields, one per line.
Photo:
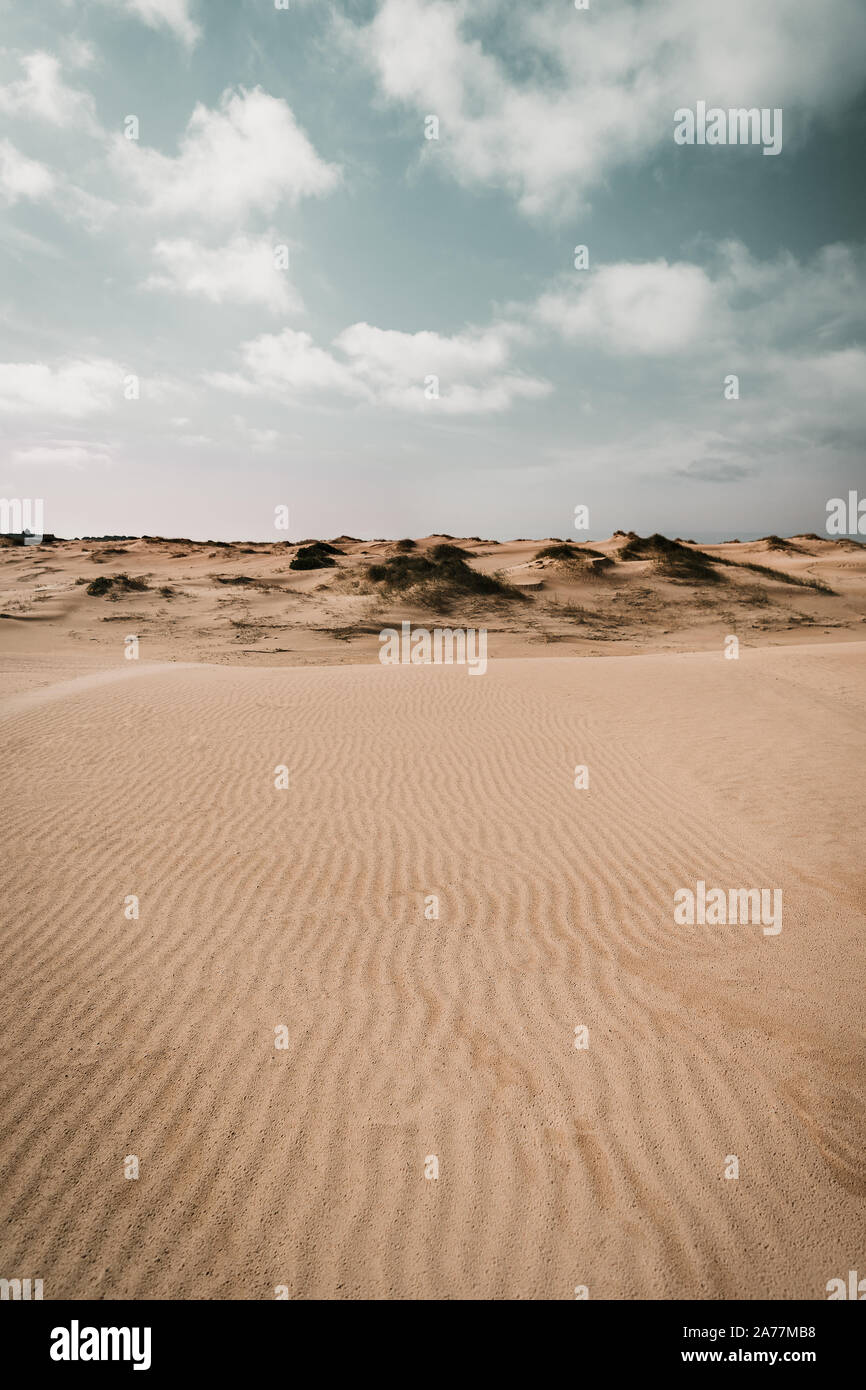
x=245 y=604
x=304 y=909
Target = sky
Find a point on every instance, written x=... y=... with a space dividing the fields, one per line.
x=239 y=273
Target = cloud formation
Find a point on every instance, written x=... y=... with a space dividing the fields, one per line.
x=243 y=271
x=62 y=453
x=546 y=101
x=248 y=155
x=21 y=177
x=464 y=374
x=73 y=389
x=647 y=309
x=173 y=15
x=757 y=311
x=41 y=94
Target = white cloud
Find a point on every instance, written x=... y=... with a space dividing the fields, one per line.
x=832 y=377
x=755 y=312
x=250 y=154
x=163 y=14
x=243 y=271
x=789 y=302
x=264 y=439
x=21 y=177
x=281 y=364
x=61 y=454
x=43 y=94
x=92 y=212
x=386 y=367
x=818 y=396
x=648 y=309
x=73 y=389
x=79 y=53
x=792 y=332
x=597 y=89
x=471 y=367
x=385 y=353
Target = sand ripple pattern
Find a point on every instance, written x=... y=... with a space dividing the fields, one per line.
x=409 y=1037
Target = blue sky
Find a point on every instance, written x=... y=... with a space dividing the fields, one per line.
x=282 y=260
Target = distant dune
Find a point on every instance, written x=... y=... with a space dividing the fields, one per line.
x=314 y=602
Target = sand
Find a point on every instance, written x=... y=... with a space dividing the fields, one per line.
x=244 y=604
x=303 y=1168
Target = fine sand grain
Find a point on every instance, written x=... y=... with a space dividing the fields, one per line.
x=453 y=1037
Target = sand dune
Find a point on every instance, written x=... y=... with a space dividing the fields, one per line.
x=246 y=605
x=410 y=1037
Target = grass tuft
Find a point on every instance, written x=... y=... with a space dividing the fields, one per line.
x=438 y=577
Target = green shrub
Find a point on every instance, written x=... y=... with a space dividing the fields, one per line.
x=116 y=584
x=440 y=574
x=317 y=556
